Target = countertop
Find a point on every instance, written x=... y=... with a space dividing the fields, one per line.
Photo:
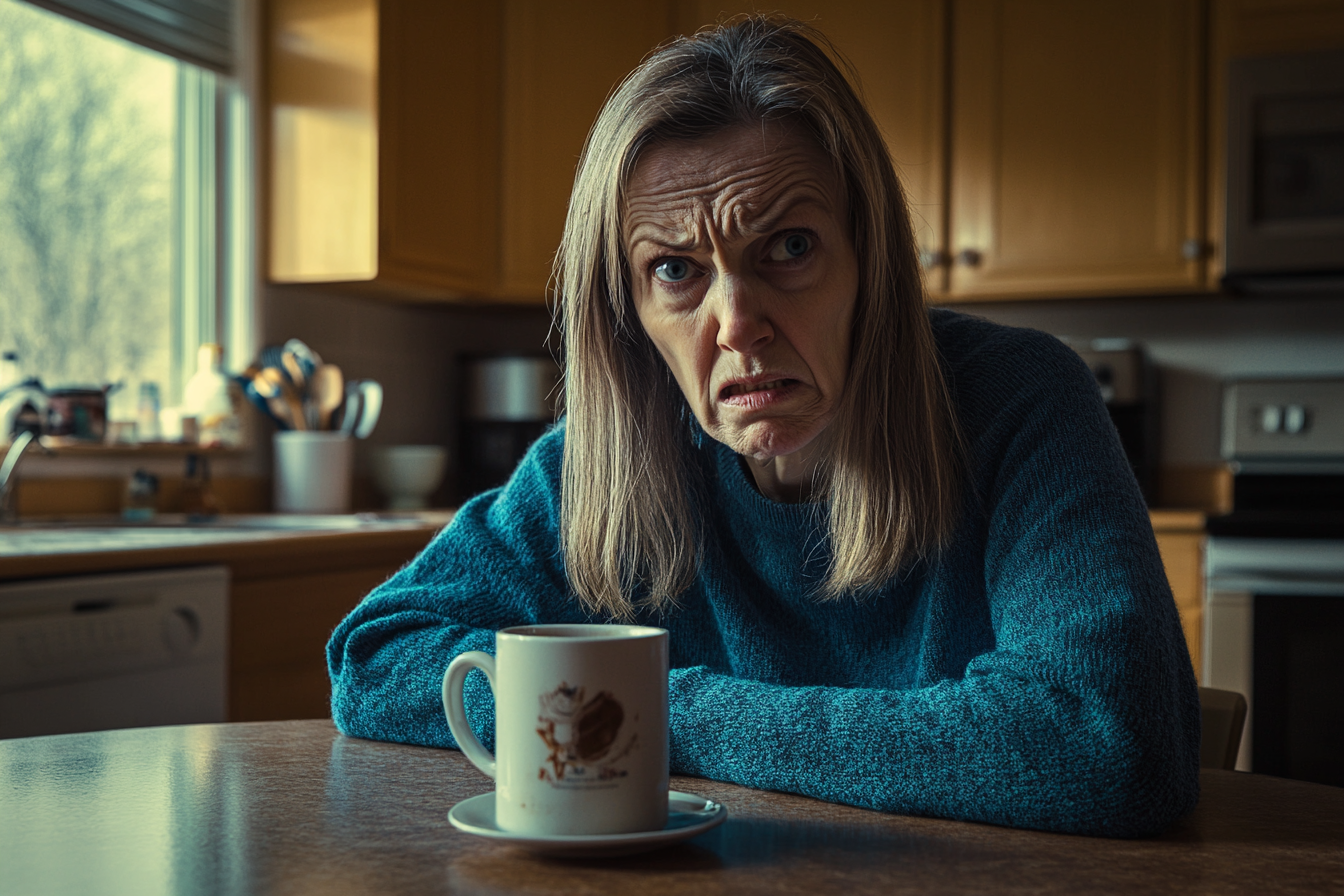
x=253 y=546
x=295 y=807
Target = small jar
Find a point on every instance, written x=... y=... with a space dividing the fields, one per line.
x=140 y=500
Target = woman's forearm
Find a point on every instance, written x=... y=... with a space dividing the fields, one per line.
x=990 y=747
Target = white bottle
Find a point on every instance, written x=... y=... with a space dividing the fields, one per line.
x=208 y=399
x=9 y=370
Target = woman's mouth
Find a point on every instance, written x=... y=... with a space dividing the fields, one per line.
x=750 y=396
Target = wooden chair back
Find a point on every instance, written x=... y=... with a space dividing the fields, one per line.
x=1224 y=715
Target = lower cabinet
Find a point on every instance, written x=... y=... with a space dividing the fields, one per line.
x=1180 y=539
x=280 y=620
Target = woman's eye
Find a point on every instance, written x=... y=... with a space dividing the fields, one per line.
x=672 y=270
x=791 y=247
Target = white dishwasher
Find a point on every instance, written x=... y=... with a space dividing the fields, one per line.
x=124 y=650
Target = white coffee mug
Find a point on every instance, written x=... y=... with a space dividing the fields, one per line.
x=580 y=727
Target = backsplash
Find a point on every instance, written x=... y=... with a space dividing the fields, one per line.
x=1197 y=343
x=412 y=349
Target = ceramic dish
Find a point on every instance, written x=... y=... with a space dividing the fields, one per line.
x=688 y=815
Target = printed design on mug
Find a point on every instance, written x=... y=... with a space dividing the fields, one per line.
x=583 y=737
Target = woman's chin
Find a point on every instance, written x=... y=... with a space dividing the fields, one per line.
x=767 y=440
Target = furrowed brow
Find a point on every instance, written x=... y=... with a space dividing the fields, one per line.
x=664 y=239
x=787 y=202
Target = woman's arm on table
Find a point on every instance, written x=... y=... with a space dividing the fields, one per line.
x=1083 y=717
x=497 y=565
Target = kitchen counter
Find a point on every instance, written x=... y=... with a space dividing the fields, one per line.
x=252 y=545
x=291 y=580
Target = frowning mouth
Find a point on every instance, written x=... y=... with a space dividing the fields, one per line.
x=752 y=393
x=743 y=388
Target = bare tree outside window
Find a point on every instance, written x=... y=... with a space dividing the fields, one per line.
x=86 y=207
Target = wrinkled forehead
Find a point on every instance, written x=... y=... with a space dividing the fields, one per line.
x=739 y=182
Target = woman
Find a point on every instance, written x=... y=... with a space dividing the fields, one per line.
x=901 y=557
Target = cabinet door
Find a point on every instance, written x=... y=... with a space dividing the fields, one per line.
x=1183 y=559
x=321 y=74
x=897 y=49
x=384 y=145
x=438 y=156
x=1076 y=147
x=560 y=63
x=278 y=631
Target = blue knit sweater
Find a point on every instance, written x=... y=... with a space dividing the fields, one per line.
x=1033 y=674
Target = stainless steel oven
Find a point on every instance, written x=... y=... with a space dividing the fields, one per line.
x=1274 y=602
x=1285 y=173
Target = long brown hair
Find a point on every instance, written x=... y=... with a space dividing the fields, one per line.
x=892 y=475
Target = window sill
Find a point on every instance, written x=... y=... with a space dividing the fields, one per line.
x=62 y=447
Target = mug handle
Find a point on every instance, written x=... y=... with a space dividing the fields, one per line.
x=455 y=709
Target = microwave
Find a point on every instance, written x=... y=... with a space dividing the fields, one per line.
x=1285 y=174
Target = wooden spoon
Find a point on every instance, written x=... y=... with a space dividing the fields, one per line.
x=272 y=384
x=326 y=389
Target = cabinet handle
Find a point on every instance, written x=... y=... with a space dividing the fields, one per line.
x=932 y=258
x=1192 y=249
x=970 y=258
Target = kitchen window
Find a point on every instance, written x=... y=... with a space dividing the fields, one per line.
x=124 y=208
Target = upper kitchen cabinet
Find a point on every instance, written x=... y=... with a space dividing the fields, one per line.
x=426 y=150
x=897 y=51
x=561 y=60
x=1076 y=148
x=384 y=145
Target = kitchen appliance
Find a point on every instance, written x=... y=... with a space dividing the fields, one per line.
x=113 y=651
x=1274 y=571
x=1285 y=173
x=78 y=412
x=1128 y=383
x=508 y=402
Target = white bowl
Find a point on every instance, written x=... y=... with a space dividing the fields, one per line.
x=408 y=474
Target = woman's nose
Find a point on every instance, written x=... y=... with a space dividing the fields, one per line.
x=743 y=325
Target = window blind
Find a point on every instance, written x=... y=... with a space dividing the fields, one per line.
x=196 y=31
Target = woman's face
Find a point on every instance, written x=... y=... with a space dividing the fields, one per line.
x=745 y=277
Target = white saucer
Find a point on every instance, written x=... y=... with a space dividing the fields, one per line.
x=687 y=816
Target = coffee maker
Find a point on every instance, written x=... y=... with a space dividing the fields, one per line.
x=508 y=401
x=1128 y=382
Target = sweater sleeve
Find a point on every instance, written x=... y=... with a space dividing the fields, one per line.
x=497 y=565
x=1082 y=718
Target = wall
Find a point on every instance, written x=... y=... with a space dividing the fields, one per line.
x=1197 y=342
x=412 y=350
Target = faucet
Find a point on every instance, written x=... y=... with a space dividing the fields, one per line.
x=8 y=467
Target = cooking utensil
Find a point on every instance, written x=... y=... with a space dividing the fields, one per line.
x=350 y=407
x=308 y=359
x=294 y=370
x=270 y=357
x=260 y=401
x=363 y=404
x=325 y=393
x=275 y=387
x=371 y=405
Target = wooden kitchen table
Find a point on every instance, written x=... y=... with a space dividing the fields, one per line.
x=294 y=807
